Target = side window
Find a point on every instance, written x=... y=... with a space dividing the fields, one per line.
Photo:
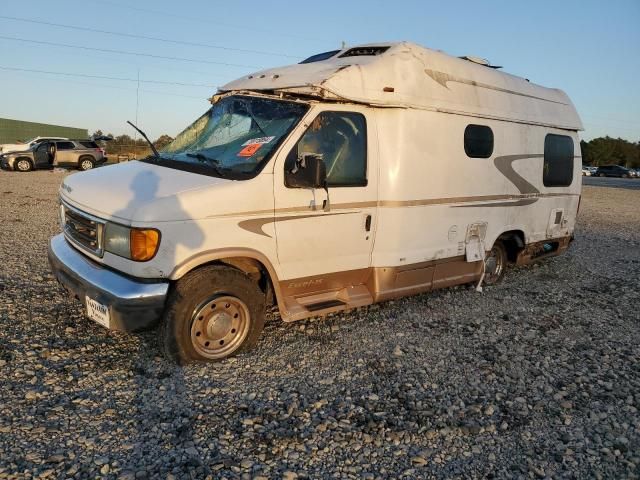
x=65 y=146
x=478 y=141
x=341 y=139
x=558 y=161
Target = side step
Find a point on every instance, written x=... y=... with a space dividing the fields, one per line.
x=297 y=308
x=322 y=305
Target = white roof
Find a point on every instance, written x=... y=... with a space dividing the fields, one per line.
x=408 y=75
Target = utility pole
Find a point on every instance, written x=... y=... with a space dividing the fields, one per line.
x=135 y=138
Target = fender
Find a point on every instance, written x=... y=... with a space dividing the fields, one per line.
x=209 y=256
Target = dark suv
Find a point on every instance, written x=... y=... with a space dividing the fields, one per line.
x=613 y=171
x=82 y=154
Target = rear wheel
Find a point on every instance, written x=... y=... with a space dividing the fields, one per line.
x=23 y=165
x=495 y=263
x=86 y=163
x=212 y=313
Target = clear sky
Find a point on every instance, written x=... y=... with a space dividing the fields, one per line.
x=590 y=49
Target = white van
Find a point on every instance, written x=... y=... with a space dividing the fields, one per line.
x=357 y=176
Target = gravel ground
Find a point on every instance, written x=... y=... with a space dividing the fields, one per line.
x=536 y=377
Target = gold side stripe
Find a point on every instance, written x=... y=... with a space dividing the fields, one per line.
x=399 y=203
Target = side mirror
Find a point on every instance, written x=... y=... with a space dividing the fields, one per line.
x=309 y=171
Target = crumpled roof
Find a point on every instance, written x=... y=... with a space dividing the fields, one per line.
x=410 y=76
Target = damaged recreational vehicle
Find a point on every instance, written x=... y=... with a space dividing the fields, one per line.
x=354 y=177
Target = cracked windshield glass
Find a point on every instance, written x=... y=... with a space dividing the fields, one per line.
x=236 y=136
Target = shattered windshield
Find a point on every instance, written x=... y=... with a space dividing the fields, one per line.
x=235 y=137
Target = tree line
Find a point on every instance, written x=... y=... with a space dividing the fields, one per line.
x=610 y=151
x=126 y=144
x=595 y=152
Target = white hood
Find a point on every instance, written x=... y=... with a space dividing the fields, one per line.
x=143 y=192
x=14 y=147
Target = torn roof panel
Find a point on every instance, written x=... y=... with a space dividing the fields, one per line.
x=404 y=74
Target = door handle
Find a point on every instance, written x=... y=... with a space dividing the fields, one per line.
x=367 y=223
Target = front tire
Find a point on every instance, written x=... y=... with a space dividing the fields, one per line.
x=212 y=313
x=23 y=165
x=495 y=263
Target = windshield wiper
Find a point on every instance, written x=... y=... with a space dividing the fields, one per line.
x=203 y=157
x=144 y=135
x=215 y=164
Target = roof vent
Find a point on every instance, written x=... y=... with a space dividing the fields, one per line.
x=480 y=61
x=364 y=51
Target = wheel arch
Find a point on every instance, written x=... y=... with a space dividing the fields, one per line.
x=514 y=242
x=252 y=262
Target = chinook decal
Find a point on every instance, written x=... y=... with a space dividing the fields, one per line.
x=443 y=78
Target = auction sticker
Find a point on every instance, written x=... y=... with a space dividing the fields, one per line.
x=259 y=140
x=249 y=150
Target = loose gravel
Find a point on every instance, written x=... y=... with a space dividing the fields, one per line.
x=536 y=377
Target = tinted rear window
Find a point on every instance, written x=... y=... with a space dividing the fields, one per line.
x=65 y=145
x=88 y=144
x=558 y=161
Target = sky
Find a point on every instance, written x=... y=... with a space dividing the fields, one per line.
x=589 y=49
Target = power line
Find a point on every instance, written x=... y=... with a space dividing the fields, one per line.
x=105 y=77
x=146 y=37
x=207 y=19
x=124 y=52
x=130 y=89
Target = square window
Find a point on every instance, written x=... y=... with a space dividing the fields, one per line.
x=478 y=141
x=558 y=161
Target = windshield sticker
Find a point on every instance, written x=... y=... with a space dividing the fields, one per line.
x=259 y=140
x=249 y=150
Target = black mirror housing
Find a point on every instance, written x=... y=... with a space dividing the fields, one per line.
x=309 y=171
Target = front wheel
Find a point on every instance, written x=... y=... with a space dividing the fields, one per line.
x=495 y=264
x=23 y=165
x=212 y=313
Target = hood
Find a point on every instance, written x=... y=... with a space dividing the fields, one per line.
x=14 y=147
x=137 y=191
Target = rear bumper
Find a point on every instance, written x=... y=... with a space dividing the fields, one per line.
x=133 y=305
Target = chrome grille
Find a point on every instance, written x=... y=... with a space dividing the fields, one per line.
x=83 y=229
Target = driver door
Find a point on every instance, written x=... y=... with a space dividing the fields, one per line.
x=41 y=155
x=328 y=236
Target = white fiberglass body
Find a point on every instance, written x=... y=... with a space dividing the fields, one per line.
x=422 y=198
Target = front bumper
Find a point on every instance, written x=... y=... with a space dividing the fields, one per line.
x=133 y=305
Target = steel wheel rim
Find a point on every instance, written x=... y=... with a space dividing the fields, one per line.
x=87 y=165
x=493 y=265
x=23 y=165
x=220 y=326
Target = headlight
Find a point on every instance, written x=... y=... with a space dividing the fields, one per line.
x=139 y=244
